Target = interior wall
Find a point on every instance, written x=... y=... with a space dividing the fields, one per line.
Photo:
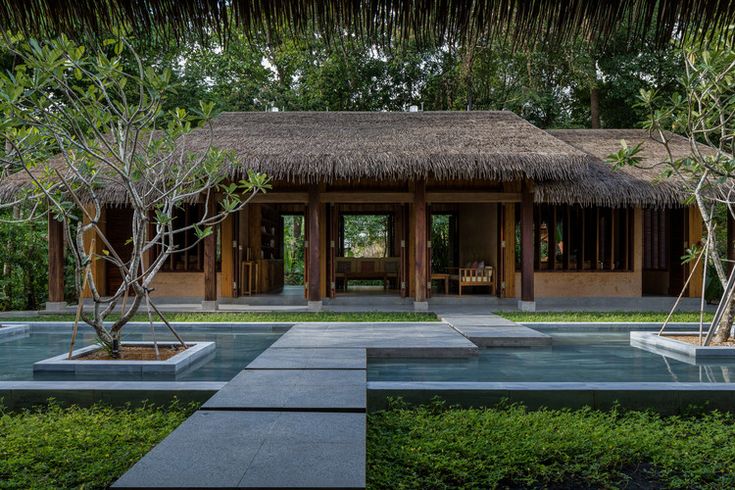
x=478 y=234
x=181 y=284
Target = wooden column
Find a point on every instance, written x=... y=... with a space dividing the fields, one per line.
x=210 y=258
x=420 y=266
x=695 y=234
x=730 y=241
x=55 y=260
x=313 y=219
x=527 y=252
x=509 y=254
x=228 y=244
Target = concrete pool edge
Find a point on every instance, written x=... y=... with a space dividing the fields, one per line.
x=15 y=395
x=662 y=397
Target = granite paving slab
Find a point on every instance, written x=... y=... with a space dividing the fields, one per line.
x=286 y=358
x=511 y=336
x=400 y=340
x=220 y=449
x=488 y=320
x=330 y=390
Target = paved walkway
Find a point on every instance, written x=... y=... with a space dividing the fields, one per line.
x=295 y=417
x=488 y=330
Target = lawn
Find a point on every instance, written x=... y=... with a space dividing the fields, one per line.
x=57 y=448
x=426 y=447
x=257 y=316
x=434 y=447
x=589 y=316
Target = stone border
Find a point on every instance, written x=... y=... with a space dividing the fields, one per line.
x=660 y=344
x=667 y=398
x=12 y=331
x=177 y=363
x=16 y=395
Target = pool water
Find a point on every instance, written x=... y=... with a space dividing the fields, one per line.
x=572 y=357
x=234 y=351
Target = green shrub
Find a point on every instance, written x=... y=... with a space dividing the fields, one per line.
x=437 y=447
x=55 y=447
x=595 y=316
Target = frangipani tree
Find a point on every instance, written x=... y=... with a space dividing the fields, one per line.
x=704 y=112
x=81 y=126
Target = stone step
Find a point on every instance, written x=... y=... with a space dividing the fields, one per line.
x=252 y=449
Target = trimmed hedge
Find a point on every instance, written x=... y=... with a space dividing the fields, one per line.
x=55 y=447
x=264 y=316
x=591 y=316
x=439 y=447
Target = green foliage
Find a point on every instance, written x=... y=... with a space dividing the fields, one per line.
x=548 y=85
x=55 y=448
x=438 y=447
x=366 y=235
x=257 y=316
x=602 y=317
x=23 y=259
x=293 y=249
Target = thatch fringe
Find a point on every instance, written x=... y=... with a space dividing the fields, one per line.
x=523 y=20
x=605 y=185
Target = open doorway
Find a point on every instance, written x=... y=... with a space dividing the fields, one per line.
x=444 y=250
x=293 y=251
x=367 y=259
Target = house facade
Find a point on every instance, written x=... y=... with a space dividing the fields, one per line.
x=530 y=213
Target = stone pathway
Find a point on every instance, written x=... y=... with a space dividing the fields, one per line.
x=295 y=417
x=490 y=330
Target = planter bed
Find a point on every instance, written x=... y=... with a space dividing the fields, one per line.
x=195 y=352
x=10 y=331
x=663 y=344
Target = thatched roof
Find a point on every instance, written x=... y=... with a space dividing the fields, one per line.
x=523 y=20
x=605 y=185
x=308 y=147
x=567 y=166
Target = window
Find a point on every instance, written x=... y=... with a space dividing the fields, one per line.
x=191 y=256
x=569 y=238
x=655 y=229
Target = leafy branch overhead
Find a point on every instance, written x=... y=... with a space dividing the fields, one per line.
x=704 y=112
x=87 y=128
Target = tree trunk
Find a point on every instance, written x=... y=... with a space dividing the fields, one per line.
x=725 y=327
x=595 y=107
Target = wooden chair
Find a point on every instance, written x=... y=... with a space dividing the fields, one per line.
x=474 y=276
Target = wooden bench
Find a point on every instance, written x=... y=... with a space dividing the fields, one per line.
x=381 y=269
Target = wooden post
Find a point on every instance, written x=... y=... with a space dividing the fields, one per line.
x=567 y=240
x=527 y=252
x=551 y=230
x=509 y=254
x=730 y=241
x=55 y=260
x=210 y=261
x=227 y=242
x=313 y=211
x=696 y=232
x=420 y=266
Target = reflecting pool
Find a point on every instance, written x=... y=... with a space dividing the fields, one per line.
x=234 y=351
x=574 y=356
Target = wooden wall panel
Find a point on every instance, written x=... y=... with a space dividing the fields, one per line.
x=695 y=234
x=228 y=259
